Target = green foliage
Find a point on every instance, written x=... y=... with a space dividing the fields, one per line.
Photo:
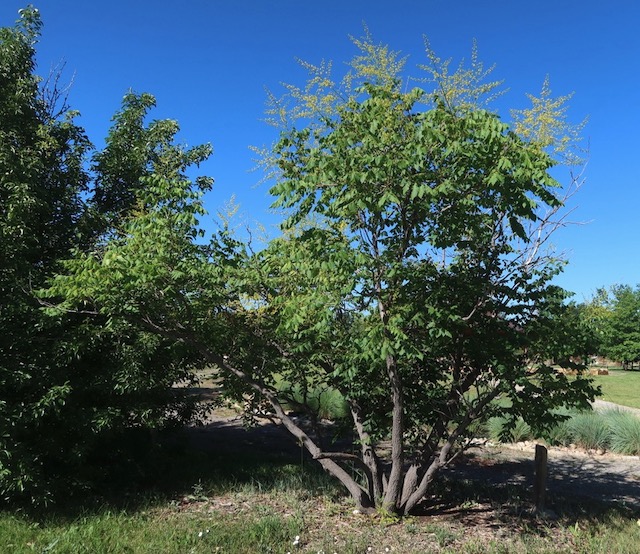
x=588 y=432
x=614 y=430
x=411 y=276
x=625 y=432
x=41 y=182
x=71 y=384
x=429 y=213
x=134 y=152
x=618 y=317
x=498 y=431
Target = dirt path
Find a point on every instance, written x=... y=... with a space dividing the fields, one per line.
x=603 y=406
x=572 y=473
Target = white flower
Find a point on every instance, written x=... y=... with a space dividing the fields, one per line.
x=296 y=541
x=200 y=534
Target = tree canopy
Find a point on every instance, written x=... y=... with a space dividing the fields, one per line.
x=615 y=316
x=72 y=383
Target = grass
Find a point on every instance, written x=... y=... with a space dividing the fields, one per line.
x=326 y=402
x=465 y=518
x=625 y=432
x=613 y=430
x=152 y=531
x=213 y=502
x=620 y=387
x=589 y=430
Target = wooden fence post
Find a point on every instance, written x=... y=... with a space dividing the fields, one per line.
x=540 y=477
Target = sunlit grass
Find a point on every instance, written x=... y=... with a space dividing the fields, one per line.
x=620 y=387
x=152 y=531
x=483 y=520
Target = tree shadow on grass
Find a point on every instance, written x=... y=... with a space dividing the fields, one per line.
x=216 y=458
x=222 y=456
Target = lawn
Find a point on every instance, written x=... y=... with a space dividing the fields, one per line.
x=250 y=518
x=620 y=387
x=224 y=501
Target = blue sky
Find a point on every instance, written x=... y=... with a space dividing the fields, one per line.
x=208 y=63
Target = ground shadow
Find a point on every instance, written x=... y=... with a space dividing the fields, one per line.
x=223 y=455
x=572 y=477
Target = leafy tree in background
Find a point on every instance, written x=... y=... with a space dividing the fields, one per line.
x=619 y=318
x=71 y=384
x=135 y=150
x=411 y=275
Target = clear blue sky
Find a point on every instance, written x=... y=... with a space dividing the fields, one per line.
x=209 y=61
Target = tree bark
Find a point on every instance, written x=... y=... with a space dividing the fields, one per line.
x=392 y=493
x=368 y=453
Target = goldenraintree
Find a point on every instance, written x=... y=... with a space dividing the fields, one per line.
x=445 y=301
x=411 y=276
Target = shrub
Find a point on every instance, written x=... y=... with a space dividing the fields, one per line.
x=521 y=431
x=324 y=402
x=560 y=434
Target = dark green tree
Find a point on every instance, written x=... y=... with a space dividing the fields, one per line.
x=621 y=323
x=71 y=384
x=41 y=182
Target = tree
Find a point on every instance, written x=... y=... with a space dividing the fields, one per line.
x=71 y=383
x=41 y=182
x=411 y=276
x=621 y=323
x=135 y=150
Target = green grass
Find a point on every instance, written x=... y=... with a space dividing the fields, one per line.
x=215 y=502
x=154 y=531
x=625 y=432
x=589 y=430
x=620 y=387
x=471 y=519
x=326 y=402
x=613 y=430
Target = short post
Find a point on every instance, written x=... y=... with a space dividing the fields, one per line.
x=540 y=477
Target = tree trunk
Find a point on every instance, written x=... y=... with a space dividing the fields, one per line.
x=393 y=491
x=368 y=454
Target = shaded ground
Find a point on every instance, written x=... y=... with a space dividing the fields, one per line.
x=572 y=473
